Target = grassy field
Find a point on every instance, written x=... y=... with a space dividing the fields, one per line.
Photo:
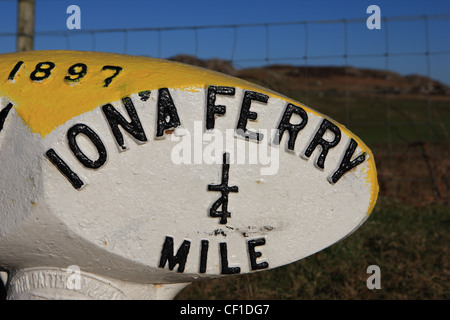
x=409 y=244
x=371 y=116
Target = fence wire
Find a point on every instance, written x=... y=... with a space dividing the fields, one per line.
x=409 y=134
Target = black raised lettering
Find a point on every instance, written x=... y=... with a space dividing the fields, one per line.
x=254 y=255
x=167 y=113
x=246 y=115
x=346 y=163
x=40 y=73
x=72 y=134
x=211 y=108
x=203 y=255
x=14 y=71
x=144 y=95
x=293 y=129
x=116 y=70
x=180 y=258
x=224 y=190
x=224 y=261
x=115 y=119
x=59 y=163
x=4 y=113
x=319 y=140
x=76 y=72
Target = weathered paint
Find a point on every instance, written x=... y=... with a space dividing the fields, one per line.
x=78 y=188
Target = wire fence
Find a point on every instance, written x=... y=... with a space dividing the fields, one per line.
x=404 y=119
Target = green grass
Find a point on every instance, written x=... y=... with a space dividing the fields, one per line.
x=409 y=244
x=376 y=118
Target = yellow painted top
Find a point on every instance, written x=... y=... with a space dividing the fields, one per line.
x=46 y=104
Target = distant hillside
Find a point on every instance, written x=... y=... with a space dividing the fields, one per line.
x=337 y=79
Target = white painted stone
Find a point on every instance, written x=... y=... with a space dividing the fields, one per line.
x=114 y=227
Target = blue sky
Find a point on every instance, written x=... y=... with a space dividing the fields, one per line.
x=248 y=43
